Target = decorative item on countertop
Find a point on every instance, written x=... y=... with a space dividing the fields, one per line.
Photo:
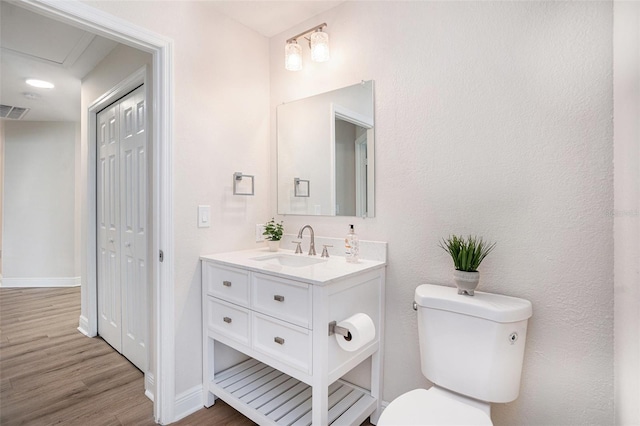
x=273 y=233
x=467 y=254
x=351 y=246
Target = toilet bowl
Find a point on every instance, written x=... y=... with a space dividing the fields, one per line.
x=434 y=406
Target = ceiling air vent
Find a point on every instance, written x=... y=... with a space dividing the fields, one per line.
x=12 y=113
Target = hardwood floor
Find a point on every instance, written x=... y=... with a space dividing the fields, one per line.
x=52 y=374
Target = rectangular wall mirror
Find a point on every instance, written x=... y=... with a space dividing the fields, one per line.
x=326 y=153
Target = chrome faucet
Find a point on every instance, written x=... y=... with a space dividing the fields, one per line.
x=312 y=245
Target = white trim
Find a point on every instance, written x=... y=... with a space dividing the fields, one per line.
x=98 y=22
x=40 y=282
x=345 y=114
x=188 y=402
x=83 y=326
x=149 y=385
x=360 y=146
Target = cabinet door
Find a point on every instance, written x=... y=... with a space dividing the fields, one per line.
x=228 y=319
x=285 y=299
x=285 y=342
x=228 y=284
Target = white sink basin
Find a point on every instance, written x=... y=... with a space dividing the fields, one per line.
x=290 y=260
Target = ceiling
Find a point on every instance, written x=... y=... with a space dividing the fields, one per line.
x=268 y=17
x=34 y=46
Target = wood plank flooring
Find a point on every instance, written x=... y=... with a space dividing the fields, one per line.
x=50 y=374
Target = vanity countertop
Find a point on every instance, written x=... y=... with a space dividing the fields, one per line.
x=323 y=272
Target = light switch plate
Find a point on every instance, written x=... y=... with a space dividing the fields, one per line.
x=204 y=216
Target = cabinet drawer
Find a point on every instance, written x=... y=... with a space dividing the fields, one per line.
x=229 y=320
x=285 y=342
x=227 y=283
x=285 y=299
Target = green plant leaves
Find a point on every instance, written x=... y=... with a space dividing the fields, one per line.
x=273 y=231
x=467 y=254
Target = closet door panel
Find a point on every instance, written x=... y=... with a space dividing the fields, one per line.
x=133 y=187
x=108 y=193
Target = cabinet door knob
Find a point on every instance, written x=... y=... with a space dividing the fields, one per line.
x=278 y=298
x=279 y=340
x=226 y=283
x=227 y=320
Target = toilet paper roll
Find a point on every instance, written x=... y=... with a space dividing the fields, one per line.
x=361 y=330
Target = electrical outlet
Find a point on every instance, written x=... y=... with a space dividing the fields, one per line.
x=259 y=231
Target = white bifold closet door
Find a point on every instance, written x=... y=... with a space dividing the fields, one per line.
x=122 y=226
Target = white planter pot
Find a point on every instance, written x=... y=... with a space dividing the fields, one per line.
x=273 y=245
x=466 y=281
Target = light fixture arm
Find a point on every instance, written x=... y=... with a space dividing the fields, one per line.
x=309 y=31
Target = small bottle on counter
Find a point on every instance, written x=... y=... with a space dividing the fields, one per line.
x=351 y=246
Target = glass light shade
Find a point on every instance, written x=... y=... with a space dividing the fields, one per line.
x=319 y=46
x=293 y=56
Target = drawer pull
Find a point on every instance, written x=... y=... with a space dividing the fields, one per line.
x=278 y=298
x=279 y=340
x=227 y=320
x=226 y=283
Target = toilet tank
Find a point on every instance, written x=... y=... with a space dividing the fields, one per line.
x=472 y=345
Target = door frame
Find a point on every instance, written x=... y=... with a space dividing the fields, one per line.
x=162 y=357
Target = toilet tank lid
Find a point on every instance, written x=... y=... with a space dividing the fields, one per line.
x=494 y=307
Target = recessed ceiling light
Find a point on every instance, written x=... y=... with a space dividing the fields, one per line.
x=40 y=84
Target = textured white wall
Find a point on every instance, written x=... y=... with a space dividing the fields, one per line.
x=39 y=200
x=221 y=125
x=626 y=211
x=492 y=118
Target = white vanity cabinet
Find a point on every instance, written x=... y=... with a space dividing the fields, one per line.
x=288 y=369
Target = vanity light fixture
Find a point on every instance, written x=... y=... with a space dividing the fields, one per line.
x=293 y=56
x=318 y=43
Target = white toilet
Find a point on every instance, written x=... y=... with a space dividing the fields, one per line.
x=471 y=349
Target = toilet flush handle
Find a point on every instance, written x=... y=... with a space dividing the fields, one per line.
x=415 y=306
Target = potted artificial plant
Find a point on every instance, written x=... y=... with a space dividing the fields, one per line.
x=467 y=254
x=273 y=233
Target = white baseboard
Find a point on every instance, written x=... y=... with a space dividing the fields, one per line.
x=149 y=386
x=40 y=282
x=188 y=402
x=83 y=326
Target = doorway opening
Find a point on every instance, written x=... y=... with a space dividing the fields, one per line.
x=162 y=335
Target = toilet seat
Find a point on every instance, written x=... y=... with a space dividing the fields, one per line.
x=431 y=407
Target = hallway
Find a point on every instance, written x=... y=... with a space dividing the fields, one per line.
x=51 y=374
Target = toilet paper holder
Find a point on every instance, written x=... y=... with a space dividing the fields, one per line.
x=334 y=328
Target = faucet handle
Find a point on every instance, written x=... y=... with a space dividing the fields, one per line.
x=325 y=252
x=298 y=248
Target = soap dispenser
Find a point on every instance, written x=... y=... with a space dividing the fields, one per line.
x=351 y=246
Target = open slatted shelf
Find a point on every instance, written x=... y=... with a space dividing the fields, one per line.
x=270 y=397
